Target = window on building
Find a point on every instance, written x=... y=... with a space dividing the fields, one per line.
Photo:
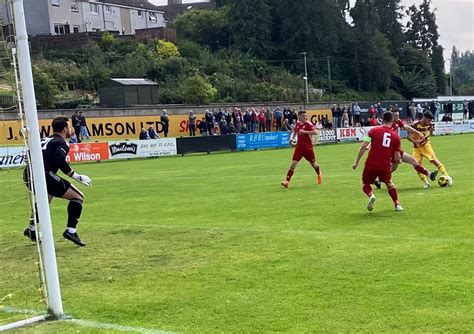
x=75 y=29
x=74 y=7
x=108 y=9
x=55 y=2
x=94 y=8
x=59 y=29
x=151 y=17
x=140 y=13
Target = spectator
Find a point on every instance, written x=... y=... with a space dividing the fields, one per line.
x=84 y=132
x=345 y=119
x=294 y=117
x=372 y=111
x=253 y=120
x=261 y=121
x=447 y=118
x=380 y=109
x=437 y=110
x=223 y=126
x=268 y=120
x=232 y=128
x=202 y=126
x=76 y=124
x=237 y=119
x=465 y=109
x=228 y=116
x=433 y=107
x=287 y=115
x=73 y=137
x=215 y=129
x=373 y=121
x=278 y=116
x=356 y=112
x=209 y=115
x=470 y=108
x=419 y=111
x=334 y=113
x=152 y=133
x=293 y=125
x=219 y=115
x=247 y=120
x=449 y=108
x=243 y=129
x=286 y=125
x=412 y=111
x=165 y=120
x=192 y=123
x=143 y=134
x=407 y=108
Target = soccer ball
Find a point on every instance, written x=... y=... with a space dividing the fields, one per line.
x=294 y=141
x=445 y=181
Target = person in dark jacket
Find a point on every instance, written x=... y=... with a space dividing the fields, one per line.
x=165 y=120
x=152 y=133
x=143 y=134
x=202 y=126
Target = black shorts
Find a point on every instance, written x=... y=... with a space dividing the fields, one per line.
x=57 y=186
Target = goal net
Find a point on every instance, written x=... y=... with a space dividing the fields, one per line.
x=24 y=282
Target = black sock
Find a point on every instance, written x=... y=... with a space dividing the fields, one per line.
x=74 y=210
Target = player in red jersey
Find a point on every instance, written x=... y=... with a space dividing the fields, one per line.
x=304 y=147
x=384 y=152
x=407 y=158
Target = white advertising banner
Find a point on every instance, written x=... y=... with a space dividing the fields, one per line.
x=351 y=134
x=12 y=156
x=142 y=148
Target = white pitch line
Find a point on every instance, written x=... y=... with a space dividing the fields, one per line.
x=86 y=323
x=102 y=325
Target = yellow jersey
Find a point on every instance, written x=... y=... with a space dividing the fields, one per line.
x=425 y=131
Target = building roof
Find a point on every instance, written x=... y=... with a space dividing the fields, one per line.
x=144 y=4
x=131 y=82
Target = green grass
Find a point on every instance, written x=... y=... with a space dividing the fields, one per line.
x=213 y=244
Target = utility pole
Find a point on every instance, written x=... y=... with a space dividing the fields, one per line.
x=305 y=77
x=329 y=73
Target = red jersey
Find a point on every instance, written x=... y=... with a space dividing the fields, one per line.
x=304 y=140
x=384 y=142
x=397 y=125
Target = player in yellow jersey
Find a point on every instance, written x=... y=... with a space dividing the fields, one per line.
x=422 y=149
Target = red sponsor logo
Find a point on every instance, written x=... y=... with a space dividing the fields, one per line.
x=350 y=132
x=88 y=152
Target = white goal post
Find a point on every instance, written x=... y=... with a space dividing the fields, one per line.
x=33 y=133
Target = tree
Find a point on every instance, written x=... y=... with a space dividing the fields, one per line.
x=422 y=33
x=251 y=26
x=166 y=49
x=422 y=30
x=205 y=27
x=374 y=66
x=437 y=64
x=46 y=89
x=198 y=90
x=388 y=12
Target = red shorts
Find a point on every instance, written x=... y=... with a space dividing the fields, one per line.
x=369 y=175
x=308 y=154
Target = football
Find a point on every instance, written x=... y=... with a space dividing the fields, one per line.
x=445 y=181
x=294 y=141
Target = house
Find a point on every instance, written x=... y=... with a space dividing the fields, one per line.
x=59 y=17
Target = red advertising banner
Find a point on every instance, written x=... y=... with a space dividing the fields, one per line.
x=88 y=152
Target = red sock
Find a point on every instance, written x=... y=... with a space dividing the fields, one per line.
x=289 y=174
x=392 y=191
x=367 y=188
x=422 y=170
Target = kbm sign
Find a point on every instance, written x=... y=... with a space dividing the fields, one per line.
x=106 y=128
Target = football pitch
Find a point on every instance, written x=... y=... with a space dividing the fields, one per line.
x=213 y=244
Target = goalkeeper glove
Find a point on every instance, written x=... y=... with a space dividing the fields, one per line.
x=84 y=179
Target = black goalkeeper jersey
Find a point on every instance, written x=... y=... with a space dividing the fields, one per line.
x=55 y=150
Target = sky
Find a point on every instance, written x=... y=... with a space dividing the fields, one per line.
x=455 y=22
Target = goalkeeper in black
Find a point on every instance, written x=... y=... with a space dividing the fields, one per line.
x=55 y=150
